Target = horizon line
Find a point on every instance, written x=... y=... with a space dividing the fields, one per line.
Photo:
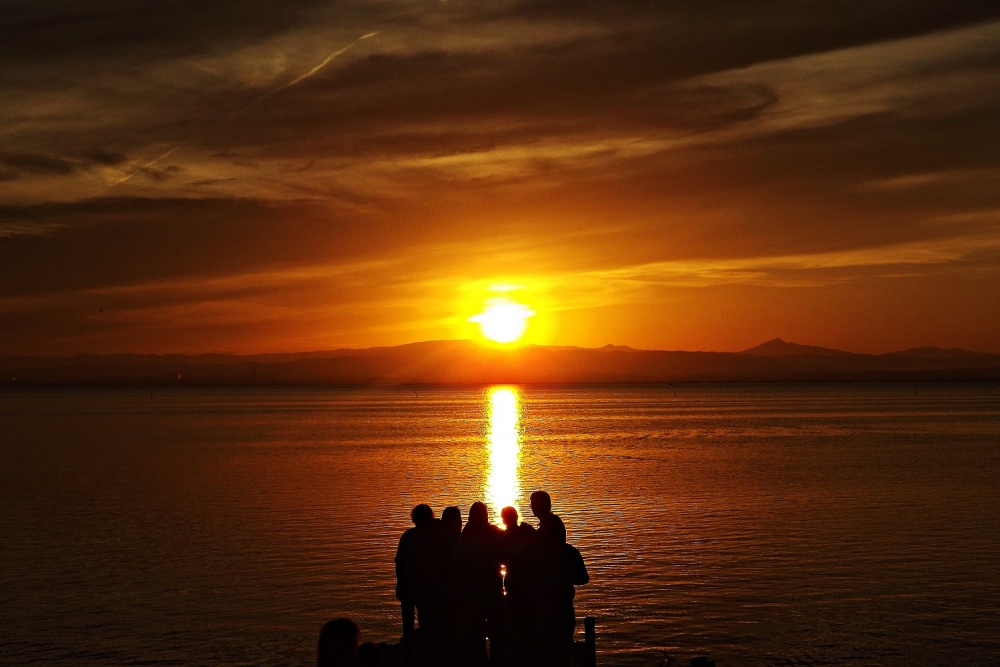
x=510 y=347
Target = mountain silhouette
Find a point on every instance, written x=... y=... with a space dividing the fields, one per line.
x=466 y=362
x=938 y=353
x=779 y=348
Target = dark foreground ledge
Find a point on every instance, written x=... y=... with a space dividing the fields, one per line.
x=584 y=653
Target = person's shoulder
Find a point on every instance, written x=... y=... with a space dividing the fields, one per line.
x=496 y=538
x=574 y=556
x=464 y=540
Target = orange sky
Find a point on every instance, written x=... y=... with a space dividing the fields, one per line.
x=256 y=177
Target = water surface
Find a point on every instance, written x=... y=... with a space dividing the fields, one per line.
x=760 y=525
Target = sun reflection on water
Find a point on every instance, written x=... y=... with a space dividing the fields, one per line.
x=504 y=441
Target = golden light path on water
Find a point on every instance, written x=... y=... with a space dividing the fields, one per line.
x=503 y=487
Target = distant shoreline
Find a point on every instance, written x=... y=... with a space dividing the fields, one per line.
x=463 y=363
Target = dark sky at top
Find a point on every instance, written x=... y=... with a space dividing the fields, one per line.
x=267 y=176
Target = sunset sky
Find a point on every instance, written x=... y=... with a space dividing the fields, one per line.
x=259 y=176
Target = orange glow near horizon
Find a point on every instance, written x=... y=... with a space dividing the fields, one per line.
x=503 y=440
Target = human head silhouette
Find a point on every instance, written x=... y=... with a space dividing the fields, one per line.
x=451 y=517
x=479 y=515
x=369 y=654
x=422 y=514
x=541 y=504
x=338 y=640
x=509 y=516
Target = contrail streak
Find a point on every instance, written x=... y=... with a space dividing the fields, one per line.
x=144 y=166
x=299 y=79
x=327 y=61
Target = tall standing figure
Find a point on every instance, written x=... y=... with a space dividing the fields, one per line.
x=547 y=572
x=422 y=515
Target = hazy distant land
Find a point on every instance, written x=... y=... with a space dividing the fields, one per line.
x=465 y=362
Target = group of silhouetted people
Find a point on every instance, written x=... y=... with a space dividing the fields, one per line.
x=475 y=586
x=476 y=595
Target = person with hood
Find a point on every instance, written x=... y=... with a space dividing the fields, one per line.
x=451 y=521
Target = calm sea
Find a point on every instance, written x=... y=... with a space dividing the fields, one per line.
x=759 y=525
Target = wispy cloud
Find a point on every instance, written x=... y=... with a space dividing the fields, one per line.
x=814 y=269
x=932 y=74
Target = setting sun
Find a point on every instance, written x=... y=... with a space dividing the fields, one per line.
x=502 y=320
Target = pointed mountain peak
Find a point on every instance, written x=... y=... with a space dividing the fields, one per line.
x=779 y=348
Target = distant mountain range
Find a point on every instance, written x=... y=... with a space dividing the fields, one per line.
x=780 y=348
x=465 y=362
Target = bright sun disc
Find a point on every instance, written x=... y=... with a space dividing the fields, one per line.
x=503 y=321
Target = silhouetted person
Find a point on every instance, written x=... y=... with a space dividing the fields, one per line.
x=516 y=535
x=451 y=520
x=541 y=507
x=477 y=561
x=544 y=578
x=338 y=642
x=451 y=523
x=369 y=655
x=421 y=515
x=429 y=584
